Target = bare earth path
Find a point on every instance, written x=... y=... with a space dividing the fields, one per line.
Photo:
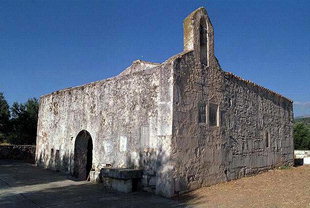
x=286 y=188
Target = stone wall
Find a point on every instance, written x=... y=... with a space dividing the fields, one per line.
x=198 y=150
x=259 y=127
x=236 y=145
x=18 y=152
x=129 y=118
x=203 y=154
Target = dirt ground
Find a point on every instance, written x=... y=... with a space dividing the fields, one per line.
x=281 y=188
x=23 y=185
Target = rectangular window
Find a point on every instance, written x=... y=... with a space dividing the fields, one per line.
x=267 y=139
x=213 y=115
x=202 y=113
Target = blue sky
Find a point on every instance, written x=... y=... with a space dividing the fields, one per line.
x=47 y=45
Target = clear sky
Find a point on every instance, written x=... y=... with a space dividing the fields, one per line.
x=47 y=45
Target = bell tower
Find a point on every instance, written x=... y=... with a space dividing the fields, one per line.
x=199 y=36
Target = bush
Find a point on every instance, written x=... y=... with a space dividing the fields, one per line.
x=24 y=122
x=301 y=136
x=4 y=118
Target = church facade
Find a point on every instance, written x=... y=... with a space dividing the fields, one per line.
x=185 y=122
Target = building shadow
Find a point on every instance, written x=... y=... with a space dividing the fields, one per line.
x=31 y=186
x=18 y=173
x=86 y=195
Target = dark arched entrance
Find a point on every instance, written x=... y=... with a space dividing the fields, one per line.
x=83 y=155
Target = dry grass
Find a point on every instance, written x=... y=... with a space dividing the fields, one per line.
x=4 y=143
x=280 y=188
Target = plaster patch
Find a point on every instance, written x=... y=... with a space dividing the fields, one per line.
x=122 y=143
x=135 y=158
x=108 y=147
x=144 y=136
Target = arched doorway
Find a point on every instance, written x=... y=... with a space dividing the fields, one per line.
x=83 y=155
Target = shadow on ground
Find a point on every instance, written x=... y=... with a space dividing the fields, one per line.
x=18 y=173
x=24 y=185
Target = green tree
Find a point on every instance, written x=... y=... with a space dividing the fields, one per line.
x=301 y=136
x=4 y=118
x=24 y=122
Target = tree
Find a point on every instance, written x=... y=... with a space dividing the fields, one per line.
x=301 y=136
x=4 y=117
x=24 y=122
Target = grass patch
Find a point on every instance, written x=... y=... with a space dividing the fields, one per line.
x=285 y=167
x=4 y=143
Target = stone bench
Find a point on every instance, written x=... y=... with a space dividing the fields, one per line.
x=121 y=179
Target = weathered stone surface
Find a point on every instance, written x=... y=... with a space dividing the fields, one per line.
x=152 y=181
x=137 y=66
x=18 y=152
x=124 y=186
x=185 y=122
x=235 y=147
x=129 y=118
x=94 y=177
x=121 y=173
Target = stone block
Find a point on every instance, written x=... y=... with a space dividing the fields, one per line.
x=121 y=173
x=94 y=177
x=152 y=181
x=122 y=185
x=145 y=180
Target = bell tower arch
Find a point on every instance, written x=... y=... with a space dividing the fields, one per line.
x=203 y=42
x=199 y=36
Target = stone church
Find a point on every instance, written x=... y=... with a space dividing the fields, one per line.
x=184 y=123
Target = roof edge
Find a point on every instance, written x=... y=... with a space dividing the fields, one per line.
x=257 y=85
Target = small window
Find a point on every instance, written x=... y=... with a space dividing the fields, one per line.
x=213 y=115
x=203 y=37
x=202 y=113
x=278 y=142
x=267 y=138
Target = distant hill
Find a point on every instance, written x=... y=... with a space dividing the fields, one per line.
x=305 y=120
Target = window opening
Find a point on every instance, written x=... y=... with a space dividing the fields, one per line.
x=214 y=115
x=267 y=138
x=203 y=39
x=202 y=113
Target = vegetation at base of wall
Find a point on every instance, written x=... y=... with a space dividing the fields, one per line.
x=285 y=167
x=302 y=134
x=18 y=123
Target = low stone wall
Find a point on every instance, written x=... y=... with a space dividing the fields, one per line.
x=18 y=152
